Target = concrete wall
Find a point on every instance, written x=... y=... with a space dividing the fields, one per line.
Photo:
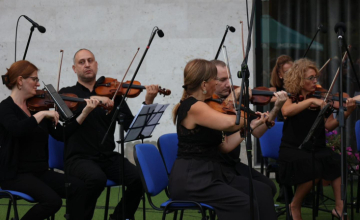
x=114 y=29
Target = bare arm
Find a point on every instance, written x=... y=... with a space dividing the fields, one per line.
x=331 y=122
x=201 y=114
x=291 y=109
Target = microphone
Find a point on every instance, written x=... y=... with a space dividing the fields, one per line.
x=340 y=29
x=322 y=28
x=231 y=28
x=160 y=33
x=40 y=28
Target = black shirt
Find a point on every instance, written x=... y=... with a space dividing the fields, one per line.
x=85 y=142
x=198 y=143
x=24 y=142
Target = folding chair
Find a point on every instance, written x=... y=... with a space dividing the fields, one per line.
x=155 y=179
x=56 y=160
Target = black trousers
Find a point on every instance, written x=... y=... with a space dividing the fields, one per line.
x=47 y=188
x=243 y=170
x=95 y=172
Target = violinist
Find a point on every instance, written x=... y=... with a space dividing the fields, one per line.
x=89 y=161
x=197 y=173
x=283 y=64
x=296 y=164
x=231 y=159
x=24 y=147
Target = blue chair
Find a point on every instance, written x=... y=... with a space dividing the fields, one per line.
x=357 y=135
x=56 y=160
x=168 y=146
x=270 y=145
x=155 y=179
x=13 y=196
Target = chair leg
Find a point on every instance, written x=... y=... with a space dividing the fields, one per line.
x=182 y=214
x=317 y=199
x=144 y=209
x=15 y=210
x=358 y=196
x=175 y=215
x=351 y=194
x=107 y=202
x=9 y=208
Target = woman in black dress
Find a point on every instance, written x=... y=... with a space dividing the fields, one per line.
x=197 y=174
x=296 y=164
x=24 y=147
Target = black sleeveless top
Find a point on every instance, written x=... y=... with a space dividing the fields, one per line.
x=297 y=127
x=198 y=143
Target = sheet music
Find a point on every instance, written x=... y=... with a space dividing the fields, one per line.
x=145 y=121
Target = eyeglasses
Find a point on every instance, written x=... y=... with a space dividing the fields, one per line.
x=312 y=78
x=34 y=78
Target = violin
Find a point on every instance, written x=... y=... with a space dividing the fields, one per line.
x=227 y=106
x=109 y=86
x=43 y=101
x=321 y=93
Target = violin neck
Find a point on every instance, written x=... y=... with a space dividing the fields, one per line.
x=264 y=93
x=72 y=99
x=125 y=85
x=336 y=98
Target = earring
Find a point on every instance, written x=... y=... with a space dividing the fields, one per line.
x=204 y=92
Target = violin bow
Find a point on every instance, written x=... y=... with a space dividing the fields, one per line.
x=335 y=77
x=125 y=75
x=242 y=38
x=324 y=65
x=226 y=59
x=60 y=64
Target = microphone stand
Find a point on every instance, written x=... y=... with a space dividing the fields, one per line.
x=244 y=75
x=117 y=114
x=222 y=42
x=27 y=45
x=342 y=136
x=307 y=50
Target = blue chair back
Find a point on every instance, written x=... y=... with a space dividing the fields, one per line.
x=357 y=134
x=271 y=140
x=151 y=168
x=168 y=147
x=56 y=154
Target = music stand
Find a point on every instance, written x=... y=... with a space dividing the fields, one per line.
x=145 y=122
x=66 y=114
x=140 y=128
x=306 y=145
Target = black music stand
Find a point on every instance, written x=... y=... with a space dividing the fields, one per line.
x=66 y=115
x=145 y=122
x=141 y=127
x=306 y=145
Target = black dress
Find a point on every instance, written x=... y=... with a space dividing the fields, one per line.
x=198 y=175
x=24 y=163
x=296 y=164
